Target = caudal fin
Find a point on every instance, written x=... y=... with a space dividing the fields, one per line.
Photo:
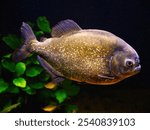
x=25 y=49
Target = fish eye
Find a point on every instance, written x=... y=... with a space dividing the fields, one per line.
x=129 y=63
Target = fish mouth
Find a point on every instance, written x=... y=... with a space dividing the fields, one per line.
x=137 y=69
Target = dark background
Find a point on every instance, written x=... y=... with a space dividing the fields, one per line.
x=128 y=19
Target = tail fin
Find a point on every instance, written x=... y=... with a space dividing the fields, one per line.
x=25 y=49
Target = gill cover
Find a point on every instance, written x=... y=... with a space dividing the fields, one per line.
x=117 y=63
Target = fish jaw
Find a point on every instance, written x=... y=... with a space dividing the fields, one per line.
x=137 y=69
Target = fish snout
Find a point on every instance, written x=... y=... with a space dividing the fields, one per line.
x=137 y=65
x=137 y=68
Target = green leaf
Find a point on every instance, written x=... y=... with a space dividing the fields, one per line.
x=8 y=64
x=67 y=82
x=13 y=89
x=29 y=90
x=70 y=88
x=71 y=108
x=61 y=95
x=32 y=59
x=45 y=96
x=7 y=55
x=28 y=60
x=12 y=41
x=35 y=61
x=39 y=33
x=38 y=85
x=44 y=76
x=43 y=24
x=20 y=68
x=19 y=82
x=9 y=108
x=3 y=86
x=33 y=71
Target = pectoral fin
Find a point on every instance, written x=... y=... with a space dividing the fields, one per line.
x=56 y=76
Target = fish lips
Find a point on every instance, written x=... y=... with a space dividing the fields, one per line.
x=137 y=69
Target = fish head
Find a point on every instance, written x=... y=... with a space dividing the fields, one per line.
x=125 y=62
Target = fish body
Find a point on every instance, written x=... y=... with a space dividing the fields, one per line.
x=84 y=55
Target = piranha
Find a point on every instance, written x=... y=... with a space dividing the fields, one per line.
x=83 y=55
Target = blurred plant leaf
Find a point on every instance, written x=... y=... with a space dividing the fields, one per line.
x=29 y=60
x=7 y=55
x=43 y=24
x=9 y=108
x=67 y=82
x=70 y=88
x=20 y=68
x=61 y=95
x=12 y=41
x=49 y=108
x=33 y=71
x=3 y=86
x=32 y=59
x=35 y=61
x=37 y=85
x=39 y=33
x=13 y=89
x=71 y=108
x=19 y=82
x=29 y=90
x=45 y=95
x=44 y=78
x=50 y=85
x=8 y=64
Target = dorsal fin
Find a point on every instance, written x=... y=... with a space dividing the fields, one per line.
x=64 y=27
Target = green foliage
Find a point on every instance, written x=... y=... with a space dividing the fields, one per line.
x=39 y=33
x=29 y=90
x=3 y=85
x=8 y=64
x=20 y=82
x=71 y=89
x=61 y=95
x=7 y=55
x=13 y=89
x=33 y=71
x=10 y=107
x=37 y=85
x=12 y=41
x=20 y=68
x=43 y=24
x=71 y=108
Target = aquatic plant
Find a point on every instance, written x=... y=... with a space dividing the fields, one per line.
x=26 y=84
